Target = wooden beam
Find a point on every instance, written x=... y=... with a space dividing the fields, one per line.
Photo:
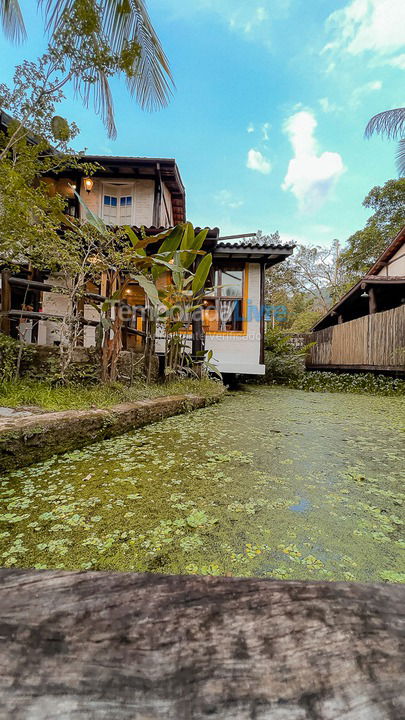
x=372 y=301
x=125 y=646
x=5 y=302
x=262 y=323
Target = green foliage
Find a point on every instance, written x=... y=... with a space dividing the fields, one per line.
x=304 y=321
x=10 y=352
x=284 y=362
x=303 y=487
x=100 y=39
x=362 y=383
x=364 y=247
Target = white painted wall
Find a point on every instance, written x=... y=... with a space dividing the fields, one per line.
x=396 y=267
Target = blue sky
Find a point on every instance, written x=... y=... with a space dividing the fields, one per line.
x=268 y=115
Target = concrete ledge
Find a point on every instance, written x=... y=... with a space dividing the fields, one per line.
x=26 y=440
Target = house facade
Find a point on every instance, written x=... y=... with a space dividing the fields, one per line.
x=149 y=193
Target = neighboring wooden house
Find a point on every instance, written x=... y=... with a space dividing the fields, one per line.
x=365 y=329
x=149 y=192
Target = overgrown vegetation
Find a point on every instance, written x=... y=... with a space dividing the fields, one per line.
x=272 y=482
x=284 y=362
x=361 y=383
x=24 y=393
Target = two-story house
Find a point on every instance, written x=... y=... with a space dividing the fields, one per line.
x=149 y=192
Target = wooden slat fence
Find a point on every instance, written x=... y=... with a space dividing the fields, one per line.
x=374 y=342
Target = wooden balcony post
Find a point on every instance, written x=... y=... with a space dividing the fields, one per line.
x=372 y=301
x=5 y=302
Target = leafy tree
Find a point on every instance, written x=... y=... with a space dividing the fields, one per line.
x=364 y=246
x=307 y=284
x=391 y=123
x=121 y=29
x=36 y=144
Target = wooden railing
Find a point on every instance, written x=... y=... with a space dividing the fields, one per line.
x=373 y=342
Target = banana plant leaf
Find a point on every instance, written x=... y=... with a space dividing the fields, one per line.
x=91 y=218
x=201 y=274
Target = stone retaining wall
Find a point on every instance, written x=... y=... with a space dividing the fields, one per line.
x=26 y=440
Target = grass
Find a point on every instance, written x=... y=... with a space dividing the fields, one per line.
x=81 y=397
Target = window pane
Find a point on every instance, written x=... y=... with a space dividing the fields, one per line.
x=230 y=315
x=107 y=200
x=129 y=200
x=232 y=283
x=122 y=201
x=113 y=201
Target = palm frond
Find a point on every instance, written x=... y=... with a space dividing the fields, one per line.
x=401 y=158
x=152 y=81
x=127 y=22
x=390 y=123
x=12 y=20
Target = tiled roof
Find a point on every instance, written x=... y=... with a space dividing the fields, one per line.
x=255 y=245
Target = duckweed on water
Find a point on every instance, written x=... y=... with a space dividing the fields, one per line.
x=273 y=482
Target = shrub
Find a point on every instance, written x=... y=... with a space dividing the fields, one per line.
x=284 y=362
x=11 y=353
x=323 y=381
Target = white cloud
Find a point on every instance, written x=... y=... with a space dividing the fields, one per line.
x=398 y=61
x=310 y=176
x=226 y=199
x=363 y=90
x=327 y=106
x=265 y=131
x=257 y=161
x=376 y=26
x=259 y=16
x=253 y=20
x=250 y=128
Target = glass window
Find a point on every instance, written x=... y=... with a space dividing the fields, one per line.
x=113 y=201
x=107 y=199
x=126 y=201
x=232 y=283
x=223 y=309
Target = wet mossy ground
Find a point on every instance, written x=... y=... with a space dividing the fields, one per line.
x=272 y=482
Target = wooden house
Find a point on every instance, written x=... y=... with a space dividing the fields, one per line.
x=149 y=192
x=365 y=329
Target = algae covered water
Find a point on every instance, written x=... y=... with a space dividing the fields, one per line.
x=272 y=482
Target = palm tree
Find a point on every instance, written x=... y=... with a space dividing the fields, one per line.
x=122 y=23
x=390 y=123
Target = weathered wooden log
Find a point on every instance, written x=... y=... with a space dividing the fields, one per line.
x=141 y=647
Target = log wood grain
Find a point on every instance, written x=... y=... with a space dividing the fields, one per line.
x=117 y=646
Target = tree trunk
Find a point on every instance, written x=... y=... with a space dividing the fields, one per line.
x=111 y=646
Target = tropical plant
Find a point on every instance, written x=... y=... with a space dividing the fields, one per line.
x=123 y=257
x=390 y=123
x=121 y=29
x=180 y=299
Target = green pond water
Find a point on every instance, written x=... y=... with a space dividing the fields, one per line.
x=272 y=482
